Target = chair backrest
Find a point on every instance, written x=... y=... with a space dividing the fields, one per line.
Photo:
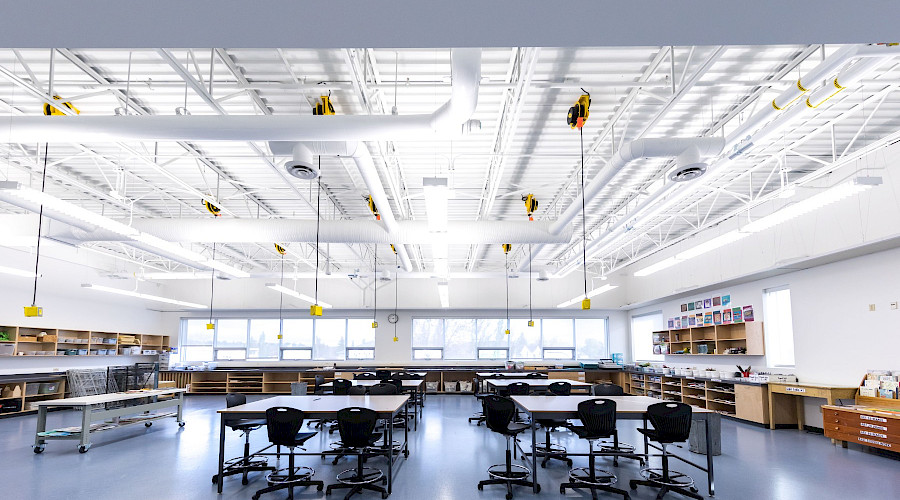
x=320 y=379
x=598 y=417
x=607 y=390
x=357 y=390
x=365 y=376
x=518 y=389
x=671 y=420
x=283 y=424
x=355 y=426
x=534 y=375
x=341 y=386
x=235 y=399
x=559 y=388
x=382 y=374
x=401 y=376
x=396 y=382
x=414 y=376
x=498 y=412
x=383 y=389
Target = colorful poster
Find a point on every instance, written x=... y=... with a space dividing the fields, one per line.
x=671 y=323
x=699 y=319
x=692 y=320
x=717 y=317
x=683 y=307
x=717 y=301
x=736 y=316
x=690 y=306
x=677 y=323
x=748 y=313
x=726 y=300
x=726 y=317
x=707 y=303
x=698 y=305
x=708 y=319
x=684 y=322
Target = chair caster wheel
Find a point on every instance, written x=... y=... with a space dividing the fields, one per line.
x=480 y=487
x=543 y=465
x=245 y=481
x=695 y=490
x=509 y=496
x=562 y=490
x=255 y=497
x=83 y=449
x=319 y=487
x=215 y=479
x=632 y=485
x=180 y=424
x=538 y=489
x=384 y=495
x=148 y=424
x=39 y=449
x=627 y=497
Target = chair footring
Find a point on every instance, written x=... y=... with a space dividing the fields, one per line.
x=602 y=487
x=283 y=476
x=396 y=448
x=675 y=478
x=516 y=472
x=600 y=477
x=552 y=450
x=350 y=476
x=606 y=446
x=690 y=492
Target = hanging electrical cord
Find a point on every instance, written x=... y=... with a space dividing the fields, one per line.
x=586 y=303
x=281 y=283
x=34 y=310
x=530 y=310
x=396 y=291
x=316 y=309
x=375 y=286
x=212 y=292
x=506 y=248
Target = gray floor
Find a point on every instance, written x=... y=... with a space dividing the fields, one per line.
x=448 y=457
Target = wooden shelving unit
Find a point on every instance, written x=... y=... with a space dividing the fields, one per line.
x=29 y=341
x=16 y=394
x=209 y=383
x=716 y=339
x=246 y=383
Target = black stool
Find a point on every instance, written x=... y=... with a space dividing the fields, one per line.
x=499 y=413
x=365 y=376
x=244 y=464
x=357 y=429
x=340 y=387
x=549 y=450
x=598 y=417
x=671 y=424
x=622 y=450
x=478 y=417
x=284 y=426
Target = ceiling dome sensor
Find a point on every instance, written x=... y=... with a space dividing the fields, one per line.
x=302 y=165
x=687 y=166
x=543 y=276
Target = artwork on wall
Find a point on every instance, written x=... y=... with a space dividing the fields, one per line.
x=684 y=321
x=677 y=323
x=698 y=305
x=707 y=303
x=699 y=319
x=726 y=317
x=748 y=313
x=683 y=307
x=716 y=301
x=690 y=306
x=726 y=300
x=692 y=320
x=736 y=316
x=708 y=319
x=717 y=317
x=671 y=323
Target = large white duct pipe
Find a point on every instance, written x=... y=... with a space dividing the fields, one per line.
x=293 y=231
x=448 y=119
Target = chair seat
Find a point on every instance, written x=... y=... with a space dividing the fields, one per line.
x=303 y=437
x=548 y=422
x=584 y=433
x=246 y=424
x=515 y=428
x=654 y=436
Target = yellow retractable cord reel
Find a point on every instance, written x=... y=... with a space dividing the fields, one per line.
x=531 y=204
x=577 y=117
x=322 y=107
x=506 y=248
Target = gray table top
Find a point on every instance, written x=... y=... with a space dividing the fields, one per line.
x=320 y=405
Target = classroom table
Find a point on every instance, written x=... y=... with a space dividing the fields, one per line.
x=480 y=377
x=408 y=386
x=627 y=407
x=88 y=414
x=829 y=393
x=540 y=384
x=321 y=407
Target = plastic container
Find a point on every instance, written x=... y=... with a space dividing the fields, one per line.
x=48 y=388
x=71 y=352
x=82 y=352
x=31 y=389
x=7 y=349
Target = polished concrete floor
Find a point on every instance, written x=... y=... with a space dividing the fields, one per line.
x=448 y=457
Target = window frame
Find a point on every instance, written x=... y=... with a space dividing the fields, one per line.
x=770 y=337
x=634 y=355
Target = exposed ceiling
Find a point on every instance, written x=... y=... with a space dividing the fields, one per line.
x=524 y=145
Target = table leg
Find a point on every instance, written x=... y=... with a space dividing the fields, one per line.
x=801 y=416
x=41 y=427
x=646 y=442
x=221 y=452
x=406 y=431
x=180 y=408
x=533 y=451
x=85 y=427
x=709 y=458
x=771 y=410
x=390 y=454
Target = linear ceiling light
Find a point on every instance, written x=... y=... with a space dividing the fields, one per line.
x=24 y=197
x=815 y=202
x=437 y=195
x=296 y=294
x=590 y=294
x=17 y=272
x=444 y=294
x=139 y=295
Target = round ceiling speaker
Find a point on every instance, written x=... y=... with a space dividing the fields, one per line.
x=543 y=276
x=302 y=169
x=685 y=173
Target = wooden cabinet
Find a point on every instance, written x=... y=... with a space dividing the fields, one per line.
x=27 y=341
x=862 y=425
x=712 y=340
x=752 y=403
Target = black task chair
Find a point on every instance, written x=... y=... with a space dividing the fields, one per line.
x=244 y=464
x=535 y=375
x=382 y=374
x=357 y=428
x=357 y=390
x=383 y=389
x=671 y=423
x=607 y=390
x=518 y=389
x=341 y=386
x=479 y=417
x=499 y=413
x=284 y=426
x=598 y=418
x=549 y=450
x=319 y=382
x=365 y=376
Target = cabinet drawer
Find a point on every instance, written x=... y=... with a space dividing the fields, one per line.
x=862 y=421
x=864 y=432
x=892 y=443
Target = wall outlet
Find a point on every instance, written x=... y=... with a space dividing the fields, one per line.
x=894 y=306
x=871 y=307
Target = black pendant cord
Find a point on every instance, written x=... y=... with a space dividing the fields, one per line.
x=281 y=295
x=318 y=222
x=530 y=310
x=506 y=271
x=583 y=217
x=396 y=289
x=37 y=257
x=375 y=283
x=212 y=286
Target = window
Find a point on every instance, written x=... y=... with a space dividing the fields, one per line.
x=642 y=328
x=559 y=353
x=230 y=354
x=779 y=326
x=296 y=354
x=264 y=338
x=591 y=338
x=360 y=339
x=196 y=341
x=231 y=333
x=492 y=353
x=296 y=339
x=524 y=340
x=427 y=353
x=427 y=338
x=330 y=339
x=459 y=339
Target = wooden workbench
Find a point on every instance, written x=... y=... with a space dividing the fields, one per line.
x=799 y=390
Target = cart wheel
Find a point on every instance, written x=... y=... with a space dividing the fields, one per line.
x=538 y=488
x=148 y=424
x=39 y=449
x=319 y=487
x=180 y=424
x=245 y=481
x=83 y=448
x=480 y=487
x=509 y=496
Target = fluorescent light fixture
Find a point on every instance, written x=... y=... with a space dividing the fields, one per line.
x=710 y=245
x=444 y=294
x=296 y=294
x=437 y=194
x=17 y=272
x=202 y=275
x=441 y=268
x=24 y=197
x=659 y=266
x=593 y=293
x=129 y=293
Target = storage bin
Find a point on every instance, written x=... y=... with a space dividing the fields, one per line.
x=31 y=388
x=71 y=352
x=450 y=386
x=7 y=349
x=82 y=352
x=431 y=386
x=465 y=386
x=48 y=388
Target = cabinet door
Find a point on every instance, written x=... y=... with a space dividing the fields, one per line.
x=751 y=403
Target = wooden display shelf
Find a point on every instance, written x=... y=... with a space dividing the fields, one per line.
x=718 y=339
